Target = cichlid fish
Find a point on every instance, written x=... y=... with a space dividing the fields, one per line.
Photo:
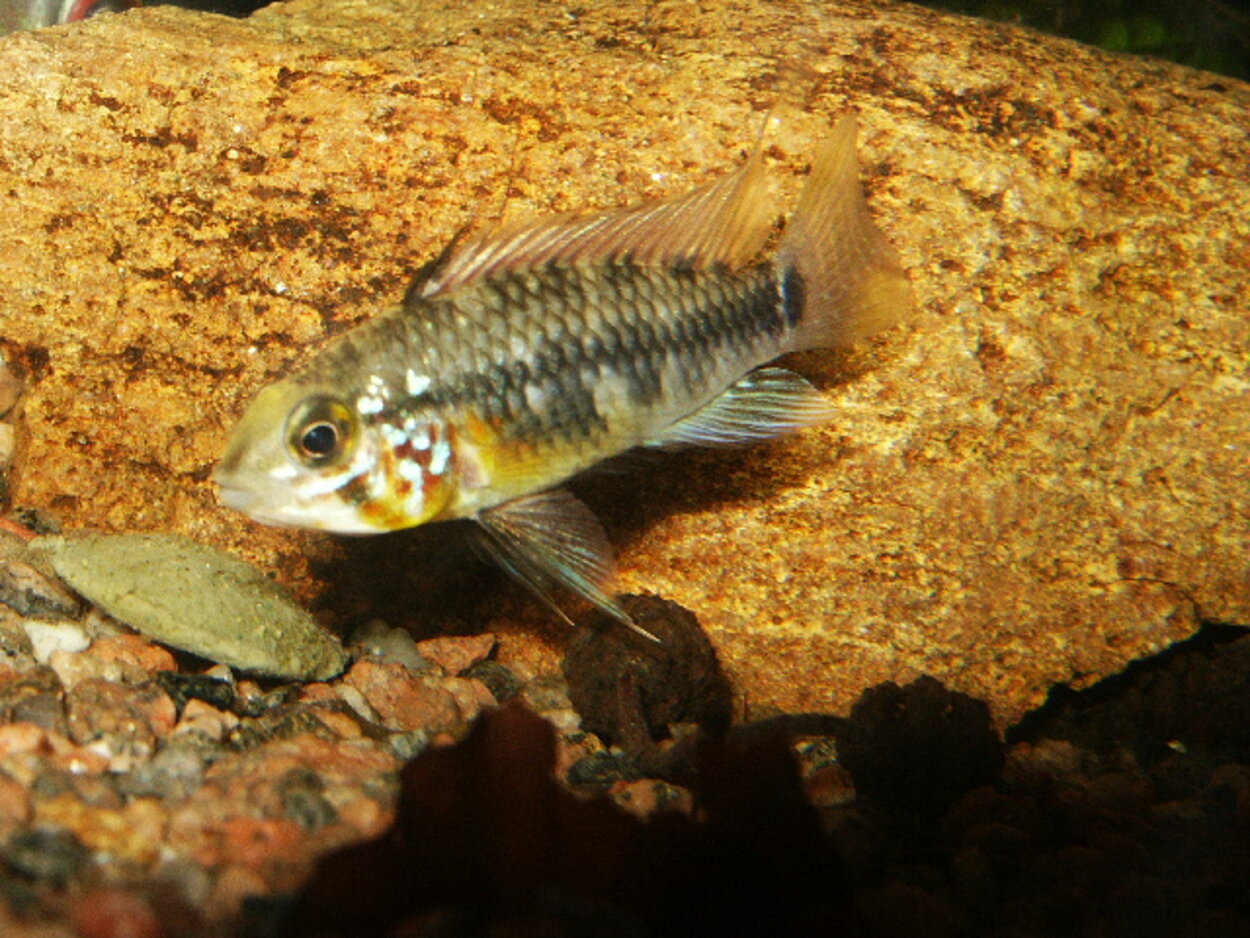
x=535 y=352
x=33 y=14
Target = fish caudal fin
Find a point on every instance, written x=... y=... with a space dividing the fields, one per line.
x=551 y=539
x=847 y=277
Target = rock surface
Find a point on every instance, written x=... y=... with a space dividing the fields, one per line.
x=1042 y=477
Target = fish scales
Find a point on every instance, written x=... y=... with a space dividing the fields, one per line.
x=532 y=353
x=667 y=334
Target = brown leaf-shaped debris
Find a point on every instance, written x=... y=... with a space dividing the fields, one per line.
x=628 y=689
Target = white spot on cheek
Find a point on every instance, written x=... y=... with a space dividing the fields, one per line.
x=411 y=471
x=373 y=401
x=321 y=486
x=440 y=457
x=393 y=434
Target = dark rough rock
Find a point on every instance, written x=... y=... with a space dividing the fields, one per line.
x=1037 y=480
x=29 y=590
x=47 y=854
x=920 y=747
x=1195 y=696
x=626 y=687
x=498 y=678
x=184 y=687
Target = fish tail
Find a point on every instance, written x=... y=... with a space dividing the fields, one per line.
x=839 y=274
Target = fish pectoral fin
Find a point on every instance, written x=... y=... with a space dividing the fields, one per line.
x=551 y=539
x=767 y=403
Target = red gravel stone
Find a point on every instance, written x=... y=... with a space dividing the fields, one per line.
x=134 y=653
x=253 y=841
x=128 y=659
x=134 y=831
x=82 y=760
x=28 y=750
x=402 y=700
x=15 y=807
x=21 y=738
x=646 y=796
x=235 y=884
x=471 y=696
x=366 y=815
x=125 y=721
x=457 y=653
x=204 y=718
x=829 y=786
x=318 y=693
x=227 y=821
x=114 y=913
x=341 y=724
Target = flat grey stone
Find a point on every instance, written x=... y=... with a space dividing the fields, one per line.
x=199 y=599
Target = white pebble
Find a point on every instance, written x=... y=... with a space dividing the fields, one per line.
x=49 y=637
x=8 y=443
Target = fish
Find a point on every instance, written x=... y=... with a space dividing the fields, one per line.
x=535 y=352
x=34 y=14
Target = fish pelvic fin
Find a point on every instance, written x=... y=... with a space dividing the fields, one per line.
x=768 y=402
x=724 y=223
x=551 y=539
x=839 y=272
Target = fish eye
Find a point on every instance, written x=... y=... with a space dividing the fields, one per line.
x=320 y=431
x=319 y=440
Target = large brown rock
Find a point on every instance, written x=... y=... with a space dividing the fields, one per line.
x=1041 y=477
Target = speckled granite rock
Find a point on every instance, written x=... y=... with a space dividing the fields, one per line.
x=1040 y=478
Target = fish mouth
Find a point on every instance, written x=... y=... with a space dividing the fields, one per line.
x=230 y=492
x=252 y=503
x=261 y=505
x=239 y=499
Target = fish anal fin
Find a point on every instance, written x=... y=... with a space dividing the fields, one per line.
x=550 y=539
x=766 y=403
x=724 y=223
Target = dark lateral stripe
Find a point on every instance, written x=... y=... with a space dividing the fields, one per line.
x=793 y=296
x=641 y=336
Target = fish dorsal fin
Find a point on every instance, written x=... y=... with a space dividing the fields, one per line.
x=768 y=402
x=723 y=223
x=548 y=539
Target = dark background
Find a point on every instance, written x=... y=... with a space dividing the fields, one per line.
x=1208 y=34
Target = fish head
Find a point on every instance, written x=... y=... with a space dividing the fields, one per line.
x=304 y=456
